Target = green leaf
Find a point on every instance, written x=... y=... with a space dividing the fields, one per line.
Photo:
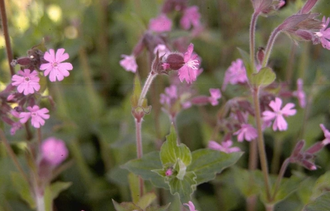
x=322 y=184
x=134 y=187
x=144 y=166
x=321 y=203
x=206 y=163
x=126 y=206
x=137 y=91
x=183 y=188
x=170 y=151
x=247 y=63
x=248 y=182
x=57 y=187
x=146 y=200
x=264 y=77
x=162 y=208
x=287 y=187
x=23 y=188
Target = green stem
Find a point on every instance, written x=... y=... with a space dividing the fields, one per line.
x=280 y=176
x=270 y=45
x=6 y=35
x=253 y=24
x=276 y=156
x=261 y=144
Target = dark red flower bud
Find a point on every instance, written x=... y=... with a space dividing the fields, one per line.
x=260 y=55
x=174 y=60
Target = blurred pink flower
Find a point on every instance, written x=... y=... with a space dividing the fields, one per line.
x=324 y=33
x=160 y=24
x=36 y=114
x=128 y=63
x=54 y=151
x=191 y=206
x=56 y=68
x=300 y=94
x=215 y=96
x=170 y=94
x=225 y=146
x=190 y=17
x=278 y=114
x=235 y=74
x=189 y=70
x=169 y=172
x=246 y=132
x=162 y=50
x=326 y=135
x=26 y=82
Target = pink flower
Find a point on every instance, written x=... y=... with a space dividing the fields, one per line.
x=324 y=34
x=129 y=63
x=170 y=94
x=27 y=83
x=235 y=74
x=190 y=205
x=215 y=96
x=37 y=115
x=189 y=70
x=54 y=151
x=190 y=17
x=225 y=146
x=246 y=132
x=56 y=68
x=278 y=114
x=160 y=24
x=162 y=50
x=300 y=94
x=169 y=172
x=326 y=135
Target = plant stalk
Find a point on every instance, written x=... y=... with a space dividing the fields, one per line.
x=152 y=75
x=280 y=176
x=270 y=45
x=261 y=144
x=6 y=35
x=253 y=24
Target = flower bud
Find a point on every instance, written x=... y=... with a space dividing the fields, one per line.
x=260 y=55
x=174 y=60
x=54 y=151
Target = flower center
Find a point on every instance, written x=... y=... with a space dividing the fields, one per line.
x=55 y=64
x=27 y=79
x=193 y=64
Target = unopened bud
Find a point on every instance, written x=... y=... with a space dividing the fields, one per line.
x=169 y=172
x=260 y=55
x=297 y=148
x=174 y=60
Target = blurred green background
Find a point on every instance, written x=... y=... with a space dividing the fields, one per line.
x=93 y=113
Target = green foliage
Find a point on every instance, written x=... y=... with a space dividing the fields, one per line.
x=264 y=77
x=321 y=203
x=23 y=188
x=246 y=59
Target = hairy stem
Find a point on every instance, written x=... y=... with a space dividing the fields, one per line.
x=261 y=144
x=152 y=75
x=6 y=35
x=276 y=156
x=253 y=24
x=270 y=45
x=139 y=150
x=280 y=176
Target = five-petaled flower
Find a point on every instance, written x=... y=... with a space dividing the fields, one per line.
x=54 y=151
x=324 y=33
x=235 y=74
x=128 y=63
x=246 y=132
x=27 y=82
x=56 y=68
x=36 y=114
x=278 y=114
x=189 y=71
x=190 y=205
x=225 y=146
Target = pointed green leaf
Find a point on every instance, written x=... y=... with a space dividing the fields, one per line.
x=146 y=200
x=144 y=166
x=321 y=203
x=264 y=77
x=207 y=163
x=137 y=91
x=162 y=208
x=321 y=184
x=23 y=188
x=248 y=182
x=287 y=187
x=134 y=187
x=184 y=188
x=126 y=206
x=57 y=187
x=170 y=151
x=247 y=63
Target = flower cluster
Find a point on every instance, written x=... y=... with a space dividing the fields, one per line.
x=28 y=90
